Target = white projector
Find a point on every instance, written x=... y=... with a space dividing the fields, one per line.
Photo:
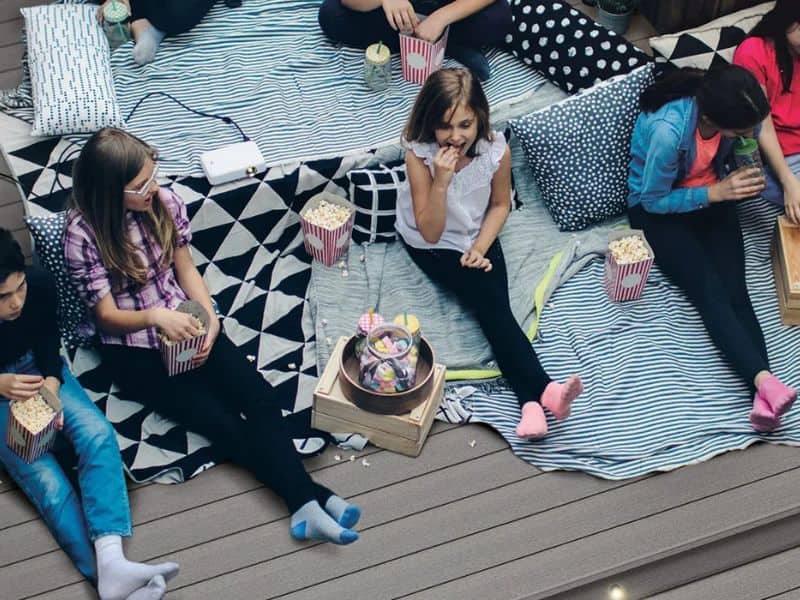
x=233 y=162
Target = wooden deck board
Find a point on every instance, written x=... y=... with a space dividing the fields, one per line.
x=772 y=577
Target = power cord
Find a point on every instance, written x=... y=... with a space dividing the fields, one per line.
x=224 y=119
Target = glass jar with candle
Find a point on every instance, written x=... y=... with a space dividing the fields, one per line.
x=378 y=67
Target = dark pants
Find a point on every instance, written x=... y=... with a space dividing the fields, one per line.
x=702 y=252
x=487 y=27
x=229 y=402
x=486 y=295
x=171 y=16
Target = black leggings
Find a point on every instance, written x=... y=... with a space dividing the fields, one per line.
x=229 y=402
x=486 y=295
x=702 y=252
x=171 y=16
x=487 y=27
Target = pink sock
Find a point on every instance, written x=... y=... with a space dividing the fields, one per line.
x=778 y=395
x=762 y=417
x=558 y=397
x=533 y=423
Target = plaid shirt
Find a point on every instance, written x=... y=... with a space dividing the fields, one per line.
x=93 y=282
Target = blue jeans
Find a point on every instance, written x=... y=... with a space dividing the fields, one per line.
x=104 y=508
x=774 y=191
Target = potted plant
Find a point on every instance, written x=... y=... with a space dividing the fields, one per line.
x=616 y=14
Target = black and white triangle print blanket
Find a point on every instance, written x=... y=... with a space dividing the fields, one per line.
x=248 y=246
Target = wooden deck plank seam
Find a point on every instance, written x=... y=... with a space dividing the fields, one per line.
x=782 y=594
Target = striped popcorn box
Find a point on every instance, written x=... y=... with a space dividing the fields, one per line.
x=326 y=243
x=30 y=445
x=626 y=280
x=177 y=356
x=420 y=58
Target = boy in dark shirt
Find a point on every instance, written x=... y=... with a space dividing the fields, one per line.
x=30 y=360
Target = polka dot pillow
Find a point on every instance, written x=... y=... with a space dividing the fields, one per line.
x=568 y=47
x=579 y=150
x=48 y=242
x=70 y=67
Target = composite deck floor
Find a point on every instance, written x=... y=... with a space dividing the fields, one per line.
x=461 y=521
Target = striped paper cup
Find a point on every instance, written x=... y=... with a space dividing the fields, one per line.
x=27 y=445
x=420 y=58
x=177 y=356
x=626 y=281
x=326 y=245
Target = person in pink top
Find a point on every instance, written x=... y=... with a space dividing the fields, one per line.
x=772 y=54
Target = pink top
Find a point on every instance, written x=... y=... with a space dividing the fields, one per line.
x=758 y=56
x=93 y=282
x=702 y=173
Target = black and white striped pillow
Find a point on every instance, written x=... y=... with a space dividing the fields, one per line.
x=373 y=191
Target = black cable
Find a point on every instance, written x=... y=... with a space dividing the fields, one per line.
x=224 y=119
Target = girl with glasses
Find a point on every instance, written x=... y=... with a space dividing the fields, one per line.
x=127 y=251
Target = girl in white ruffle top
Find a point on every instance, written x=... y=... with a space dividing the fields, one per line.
x=449 y=214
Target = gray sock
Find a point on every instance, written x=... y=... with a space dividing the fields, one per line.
x=346 y=514
x=147 y=43
x=154 y=590
x=310 y=522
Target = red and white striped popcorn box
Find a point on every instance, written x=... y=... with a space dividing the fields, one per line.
x=326 y=245
x=420 y=58
x=177 y=356
x=27 y=445
x=626 y=281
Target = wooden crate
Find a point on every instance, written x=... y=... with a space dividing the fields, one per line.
x=334 y=413
x=785 y=255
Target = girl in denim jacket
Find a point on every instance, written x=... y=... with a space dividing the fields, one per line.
x=685 y=203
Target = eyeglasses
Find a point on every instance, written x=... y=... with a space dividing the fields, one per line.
x=145 y=189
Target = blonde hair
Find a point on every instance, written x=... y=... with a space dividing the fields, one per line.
x=444 y=90
x=110 y=159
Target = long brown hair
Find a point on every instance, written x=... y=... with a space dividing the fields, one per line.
x=444 y=90
x=773 y=27
x=108 y=162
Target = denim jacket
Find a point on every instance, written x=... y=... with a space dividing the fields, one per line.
x=662 y=152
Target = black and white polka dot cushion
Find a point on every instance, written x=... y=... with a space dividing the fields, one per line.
x=48 y=242
x=579 y=150
x=568 y=47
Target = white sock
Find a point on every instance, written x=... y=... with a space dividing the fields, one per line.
x=117 y=577
x=310 y=522
x=154 y=590
x=147 y=43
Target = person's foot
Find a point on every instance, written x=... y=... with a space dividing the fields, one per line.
x=154 y=590
x=472 y=58
x=762 y=417
x=533 y=424
x=778 y=395
x=310 y=522
x=118 y=577
x=147 y=38
x=558 y=397
x=343 y=512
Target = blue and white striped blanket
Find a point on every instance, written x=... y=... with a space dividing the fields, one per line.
x=658 y=393
x=268 y=66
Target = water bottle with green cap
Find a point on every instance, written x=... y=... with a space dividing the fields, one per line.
x=746 y=154
x=115 y=23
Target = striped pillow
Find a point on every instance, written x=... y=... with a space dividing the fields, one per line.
x=69 y=60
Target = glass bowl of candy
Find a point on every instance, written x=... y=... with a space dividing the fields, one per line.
x=391 y=375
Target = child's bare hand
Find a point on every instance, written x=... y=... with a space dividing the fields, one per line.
x=444 y=164
x=743 y=183
x=177 y=326
x=20 y=387
x=400 y=14
x=430 y=29
x=474 y=259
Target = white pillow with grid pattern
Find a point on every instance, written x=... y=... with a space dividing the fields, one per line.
x=69 y=59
